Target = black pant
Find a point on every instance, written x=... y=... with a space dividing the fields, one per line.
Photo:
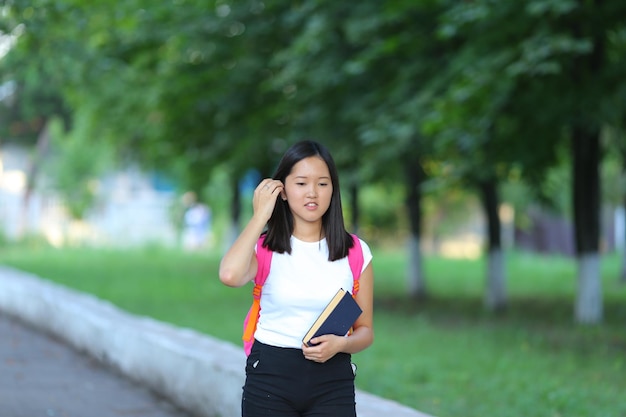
x=280 y=382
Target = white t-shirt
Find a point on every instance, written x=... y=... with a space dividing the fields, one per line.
x=298 y=288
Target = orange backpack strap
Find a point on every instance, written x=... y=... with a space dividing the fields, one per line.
x=355 y=259
x=264 y=260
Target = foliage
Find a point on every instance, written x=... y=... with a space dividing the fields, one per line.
x=614 y=172
x=31 y=85
x=381 y=211
x=187 y=85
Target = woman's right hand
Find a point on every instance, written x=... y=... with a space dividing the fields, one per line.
x=265 y=196
x=239 y=265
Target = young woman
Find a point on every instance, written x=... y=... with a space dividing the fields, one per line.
x=301 y=207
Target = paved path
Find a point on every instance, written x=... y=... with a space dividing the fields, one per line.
x=42 y=377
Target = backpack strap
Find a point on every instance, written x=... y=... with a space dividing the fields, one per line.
x=355 y=259
x=264 y=260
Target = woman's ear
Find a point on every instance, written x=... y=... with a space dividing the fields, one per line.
x=283 y=195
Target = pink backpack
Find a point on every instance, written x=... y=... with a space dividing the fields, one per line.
x=264 y=259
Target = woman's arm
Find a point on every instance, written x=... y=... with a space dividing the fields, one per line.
x=239 y=265
x=363 y=329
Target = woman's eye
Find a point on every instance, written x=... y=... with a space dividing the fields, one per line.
x=323 y=184
x=300 y=183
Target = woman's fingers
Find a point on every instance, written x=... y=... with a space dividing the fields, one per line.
x=265 y=196
x=270 y=185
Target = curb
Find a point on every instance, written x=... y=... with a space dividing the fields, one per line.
x=197 y=372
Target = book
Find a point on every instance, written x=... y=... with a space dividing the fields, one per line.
x=336 y=318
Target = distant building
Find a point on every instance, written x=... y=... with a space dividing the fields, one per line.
x=132 y=208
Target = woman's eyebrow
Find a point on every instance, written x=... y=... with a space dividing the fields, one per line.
x=306 y=177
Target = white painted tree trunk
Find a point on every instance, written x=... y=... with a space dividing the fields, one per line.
x=416 y=282
x=495 y=293
x=589 y=297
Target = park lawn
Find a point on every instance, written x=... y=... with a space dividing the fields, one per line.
x=444 y=356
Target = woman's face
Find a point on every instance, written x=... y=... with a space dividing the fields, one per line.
x=308 y=190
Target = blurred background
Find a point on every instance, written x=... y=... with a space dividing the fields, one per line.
x=462 y=130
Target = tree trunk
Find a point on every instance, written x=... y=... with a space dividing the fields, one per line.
x=586 y=194
x=354 y=207
x=415 y=175
x=235 y=214
x=586 y=159
x=589 y=300
x=41 y=149
x=495 y=291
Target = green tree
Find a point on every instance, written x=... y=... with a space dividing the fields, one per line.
x=392 y=91
x=558 y=68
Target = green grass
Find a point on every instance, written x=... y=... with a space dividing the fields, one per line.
x=444 y=356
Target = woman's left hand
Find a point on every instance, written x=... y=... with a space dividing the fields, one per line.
x=326 y=347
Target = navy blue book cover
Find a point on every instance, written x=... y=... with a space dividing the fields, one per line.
x=337 y=318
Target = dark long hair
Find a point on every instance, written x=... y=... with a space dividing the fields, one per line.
x=280 y=224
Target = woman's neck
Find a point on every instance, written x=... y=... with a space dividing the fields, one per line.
x=309 y=232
